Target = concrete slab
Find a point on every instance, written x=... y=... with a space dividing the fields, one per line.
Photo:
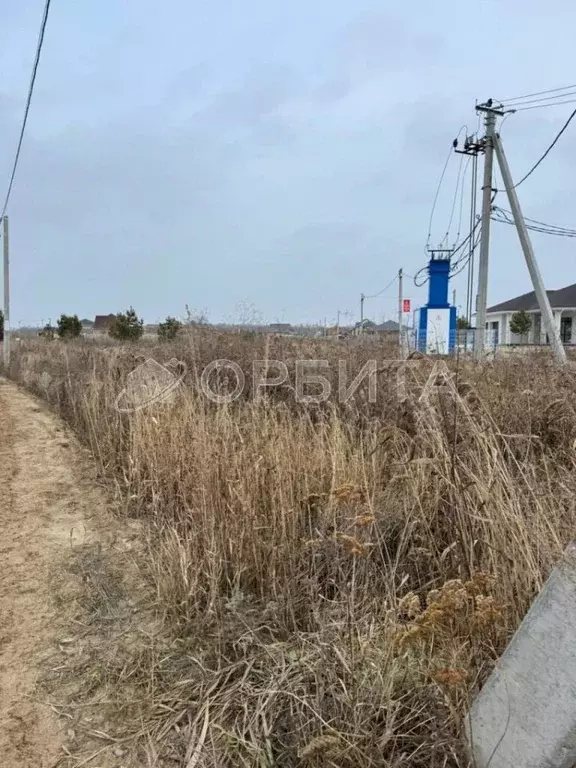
x=525 y=715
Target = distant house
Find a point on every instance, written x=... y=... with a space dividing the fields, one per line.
x=388 y=325
x=364 y=327
x=563 y=303
x=103 y=322
x=370 y=328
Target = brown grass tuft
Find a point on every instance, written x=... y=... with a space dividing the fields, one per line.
x=335 y=581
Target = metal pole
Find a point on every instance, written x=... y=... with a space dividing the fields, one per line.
x=482 y=298
x=6 y=312
x=362 y=297
x=400 y=313
x=533 y=269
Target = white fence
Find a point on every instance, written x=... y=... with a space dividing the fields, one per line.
x=461 y=341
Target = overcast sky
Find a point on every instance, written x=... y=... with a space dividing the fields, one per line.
x=280 y=155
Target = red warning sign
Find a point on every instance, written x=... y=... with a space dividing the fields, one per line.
x=406 y=305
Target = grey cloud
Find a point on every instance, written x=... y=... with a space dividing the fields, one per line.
x=382 y=40
x=332 y=89
x=223 y=170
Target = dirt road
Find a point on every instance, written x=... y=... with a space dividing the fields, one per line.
x=50 y=510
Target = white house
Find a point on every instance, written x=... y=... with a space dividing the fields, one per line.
x=563 y=303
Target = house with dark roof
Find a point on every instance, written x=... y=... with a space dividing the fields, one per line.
x=103 y=322
x=563 y=304
x=280 y=328
x=387 y=326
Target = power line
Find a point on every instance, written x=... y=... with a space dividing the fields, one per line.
x=28 y=102
x=454 y=199
x=531 y=171
x=436 y=195
x=450 y=152
x=505 y=217
x=415 y=278
x=462 y=201
x=469 y=256
x=507 y=105
x=540 y=93
x=506 y=116
x=454 y=251
x=571 y=230
x=375 y=295
x=543 y=106
x=462 y=245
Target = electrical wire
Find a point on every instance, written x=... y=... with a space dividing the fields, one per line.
x=454 y=199
x=506 y=217
x=531 y=171
x=468 y=257
x=463 y=244
x=540 y=93
x=462 y=201
x=479 y=124
x=415 y=278
x=438 y=188
x=450 y=151
x=501 y=214
x=28 y=102
x=455 y=250
x=375 y=295
x=543 y=106
x=568 y=230
x=506 y=116
x=508 y=105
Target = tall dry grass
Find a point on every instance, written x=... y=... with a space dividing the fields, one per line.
x=337 y=580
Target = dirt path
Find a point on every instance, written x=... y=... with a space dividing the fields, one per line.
x=51 y=514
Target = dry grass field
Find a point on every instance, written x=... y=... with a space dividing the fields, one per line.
x=335 y=580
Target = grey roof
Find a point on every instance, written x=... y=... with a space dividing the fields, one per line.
x=563 y=298
x=103 y=322
x=280 y=327
x=388 y=325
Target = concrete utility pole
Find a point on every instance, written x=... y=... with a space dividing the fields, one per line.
x=533 y=269
x=400 y=314
x=362 y=297
x=6 y=312
x=482 y=298
x=470 y=276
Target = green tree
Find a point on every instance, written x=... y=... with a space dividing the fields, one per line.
x=462 y=324
x=520 y=322
x=169 y=329
x=69 y=327
x=127 y=326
